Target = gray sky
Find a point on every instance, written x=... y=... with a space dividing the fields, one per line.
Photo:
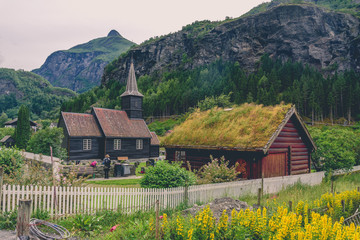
x=30 y=30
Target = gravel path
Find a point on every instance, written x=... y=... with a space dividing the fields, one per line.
x=7 y=235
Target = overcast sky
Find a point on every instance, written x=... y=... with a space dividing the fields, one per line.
x=30 y=30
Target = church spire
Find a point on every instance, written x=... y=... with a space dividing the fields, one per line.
x=131 y=86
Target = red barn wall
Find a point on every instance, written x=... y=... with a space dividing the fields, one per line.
x=288 y=154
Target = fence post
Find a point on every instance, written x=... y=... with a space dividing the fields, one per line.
x=157 y=219
x=259 y=196
x=343 y=205
x=290 y=206
x=1 y=184
x=332 y=186
x=23 y=218
x=186 y=195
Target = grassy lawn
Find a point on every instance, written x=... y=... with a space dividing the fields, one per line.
x=130 y=183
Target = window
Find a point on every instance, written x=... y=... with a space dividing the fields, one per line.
x=180 y=156
x=117 y=144
x=87 y=144
x=139 y=144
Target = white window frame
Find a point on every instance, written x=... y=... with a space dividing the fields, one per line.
x=86 y=144
x=117 y=144
x=180 y=156
x=139 y=144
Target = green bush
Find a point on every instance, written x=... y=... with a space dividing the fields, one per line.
x=166 y=175
x=337 y=148
x=8 y=220
x=41 y=214
x=6 y=131
x=41 y=141
x=217 y=171
x=11 y=159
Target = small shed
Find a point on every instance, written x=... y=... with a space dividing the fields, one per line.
x=267 y=141
x=13 y=124
x=7 y=141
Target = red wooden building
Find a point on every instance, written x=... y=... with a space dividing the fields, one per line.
x=268 y=141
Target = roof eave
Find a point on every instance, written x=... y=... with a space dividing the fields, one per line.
x=239 y=149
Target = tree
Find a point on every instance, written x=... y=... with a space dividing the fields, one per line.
x=41 y=141
x=337 y=148
x=22 y=132
x=3 y=119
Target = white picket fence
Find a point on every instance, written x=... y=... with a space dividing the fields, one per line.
x=61 y=201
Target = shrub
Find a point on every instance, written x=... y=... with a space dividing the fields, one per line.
x=11 y=159
x=166 y=175
x=6 y=131
x=8 y=220
x=337 y=148
x=41 y=141
x=217 y=171
x=22 y=132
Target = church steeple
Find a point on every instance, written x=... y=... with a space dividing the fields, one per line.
x=131 y=99
x=131 y=86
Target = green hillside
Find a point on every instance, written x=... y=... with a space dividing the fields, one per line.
x=110 y=47
x=22 y=87
x=346 y=6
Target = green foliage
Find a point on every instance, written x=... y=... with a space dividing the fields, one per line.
x=41 y=141
x=3 y=119
x=222 y=101
x=41 y=214
x=6 y=131
x=173 y=93
x=41 y=97
x=338 y=148
x=160 y=127
x=11 y=159
x=22 y=132
x=217 y=171
x=8 y=220
x=86 y=223
x=166 y=175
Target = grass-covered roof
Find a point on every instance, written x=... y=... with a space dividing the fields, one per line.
x=248 y=126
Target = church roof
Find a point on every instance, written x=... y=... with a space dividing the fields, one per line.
x=131 y=86
x=81 y=124
x=115 y=123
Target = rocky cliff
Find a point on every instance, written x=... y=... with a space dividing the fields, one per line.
x=81 y=67
x=324 y=39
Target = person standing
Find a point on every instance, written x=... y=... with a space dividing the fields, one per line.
x=107 y=163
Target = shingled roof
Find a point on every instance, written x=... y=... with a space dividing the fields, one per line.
x=115 y=123
x=81 y=125
x=248 y=127
x=154 y=139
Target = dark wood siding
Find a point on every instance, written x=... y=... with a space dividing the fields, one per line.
x=128 y=148
x=154 y=151
x=76 y=151
x=274 y=165
x=132 y=105
x=290 y=142
x=199 y=157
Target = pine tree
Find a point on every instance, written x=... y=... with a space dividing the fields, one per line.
x=22 y=132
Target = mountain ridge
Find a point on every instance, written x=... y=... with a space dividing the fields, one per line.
x=81 y=67
x=309 y=34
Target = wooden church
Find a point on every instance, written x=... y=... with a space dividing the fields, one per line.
x=123 y=134
x=265 y=141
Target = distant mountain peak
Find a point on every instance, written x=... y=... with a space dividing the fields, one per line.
x=114 y=33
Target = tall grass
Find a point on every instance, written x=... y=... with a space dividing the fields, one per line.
x=301 y=192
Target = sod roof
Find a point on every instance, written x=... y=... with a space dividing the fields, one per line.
x=245 y=127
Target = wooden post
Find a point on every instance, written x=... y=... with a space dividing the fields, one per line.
x=23 y=218
x=259 y=196
x=157 y=219
x=186 y=195
x=290 y=206
x=54 y=181
x=332 y=186
x=358 y=189
x=343 y=205
x=1 y=183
